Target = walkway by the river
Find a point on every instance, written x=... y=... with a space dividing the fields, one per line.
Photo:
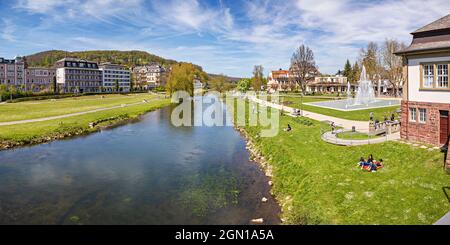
x=346 y=125
x=69 y=115
x=360 y=126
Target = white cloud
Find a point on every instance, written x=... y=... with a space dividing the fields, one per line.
x=262 y=32
x=42 y=6
x=7 y=32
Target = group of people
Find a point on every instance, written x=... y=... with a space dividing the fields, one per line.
x=370 y=165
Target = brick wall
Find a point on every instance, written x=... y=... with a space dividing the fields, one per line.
x=422 y=132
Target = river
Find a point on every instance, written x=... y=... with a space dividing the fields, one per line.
x=145 y=172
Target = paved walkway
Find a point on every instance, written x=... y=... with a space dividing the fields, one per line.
x=444 y=220
x=331 y=138
x=68 y=115
x=360 y=126
x=347 y=125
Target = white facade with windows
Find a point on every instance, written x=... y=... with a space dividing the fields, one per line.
x=116 y=78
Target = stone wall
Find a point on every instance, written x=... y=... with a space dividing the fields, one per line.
x=422 y=132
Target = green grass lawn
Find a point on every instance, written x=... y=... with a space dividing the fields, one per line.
x=46 y=108
x=34 y=132
x=348 y=135
x=360 y=115
x=320 y=183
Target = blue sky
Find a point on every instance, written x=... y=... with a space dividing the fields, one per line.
x=228 y=36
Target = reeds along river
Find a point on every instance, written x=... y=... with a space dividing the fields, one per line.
x=147 y=172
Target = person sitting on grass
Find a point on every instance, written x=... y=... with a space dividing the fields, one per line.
x=379 y=164
x=288 y=128
x=362 y=162
x=370 y=159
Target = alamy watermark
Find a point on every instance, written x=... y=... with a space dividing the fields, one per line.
x=214 y=109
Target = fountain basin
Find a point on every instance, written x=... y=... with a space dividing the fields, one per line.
x=349 y=104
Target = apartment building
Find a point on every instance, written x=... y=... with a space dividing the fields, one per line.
x=12 y=72
x=116 y=78
x=78 y=76
x=149 y=76
x=39 y=79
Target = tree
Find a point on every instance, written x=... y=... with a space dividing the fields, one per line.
x=54 y=86
x=219 y=84
x=347 y=70
x=244 y=85
x=182 y=76
x=356 y=73
x=258 y=77
x=303 y=67
x=393 y=64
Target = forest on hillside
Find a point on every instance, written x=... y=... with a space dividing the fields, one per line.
x=127 y=58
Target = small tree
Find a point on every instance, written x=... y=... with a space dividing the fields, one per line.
x=244 y=85
x=258 y=77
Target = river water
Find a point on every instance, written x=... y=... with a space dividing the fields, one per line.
x=146 y=172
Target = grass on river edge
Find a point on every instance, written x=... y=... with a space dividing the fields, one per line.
x=319 y=183
x=39 y=132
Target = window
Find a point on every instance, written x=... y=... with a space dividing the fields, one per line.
x=442 y=76
x=412 y=114
x=422 y=115
x=428 y=76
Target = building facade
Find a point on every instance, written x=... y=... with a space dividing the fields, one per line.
x=329 y=84
x=278 y=81
x=40 y=79
x=116 y=78
x=12 y=72
x=78 y=76
x=149 y=77
x=426 y=93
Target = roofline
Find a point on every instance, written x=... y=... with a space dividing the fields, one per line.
x=422 y=51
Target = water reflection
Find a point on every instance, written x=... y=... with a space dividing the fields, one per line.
x=147 y=172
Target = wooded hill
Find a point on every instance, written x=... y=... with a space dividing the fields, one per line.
x=127 y=58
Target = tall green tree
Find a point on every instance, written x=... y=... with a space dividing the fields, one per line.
x=182 y=77
x=347 y=69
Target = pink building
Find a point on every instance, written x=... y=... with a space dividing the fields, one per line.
x=39 y=79
x=12 y=72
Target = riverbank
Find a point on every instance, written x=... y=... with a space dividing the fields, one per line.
x=12 y=136
x=318 y=183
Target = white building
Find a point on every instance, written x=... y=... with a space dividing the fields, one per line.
x=426 y=93
x=149 y=76
x=116 y=78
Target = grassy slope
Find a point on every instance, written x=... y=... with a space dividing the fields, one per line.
x=46 y=108
x=319 y=183
x=360 y=115
x=353 y=136
x=32 y=132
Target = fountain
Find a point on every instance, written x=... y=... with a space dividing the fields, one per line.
x=365 y=94
x=364 y=99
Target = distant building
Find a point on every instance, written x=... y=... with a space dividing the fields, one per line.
x=149 y=76
x=426 y=93
x=329 y=84
x=278 y=80
x=78 y=76
x=116 y=78
x=39 y=79
x=12 y=72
